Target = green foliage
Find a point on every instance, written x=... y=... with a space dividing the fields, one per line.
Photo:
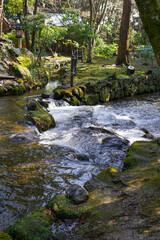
x=147 y=54
x=45 y=32
x=78 y=29
x=11 y=36
x=15 y=6
x=138 y=38
x=146 y=51
x=36 y=21
x=105 y=50
x=4 y=236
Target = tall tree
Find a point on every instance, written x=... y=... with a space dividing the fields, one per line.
x=1 y=18
x=123 y=49
x=25 y=12
x=34 y=30
x=150 y=14
x=97 y=14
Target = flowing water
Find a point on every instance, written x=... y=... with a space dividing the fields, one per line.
x=87 y=139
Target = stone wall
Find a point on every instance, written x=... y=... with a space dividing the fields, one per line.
x=103 y=91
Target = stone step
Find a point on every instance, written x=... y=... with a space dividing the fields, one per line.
x=6 y=77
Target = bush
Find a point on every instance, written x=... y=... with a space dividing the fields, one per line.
x=11 y=36
x=105 y=50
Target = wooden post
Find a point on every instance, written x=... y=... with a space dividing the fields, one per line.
x=72 y=69
x=20 y=43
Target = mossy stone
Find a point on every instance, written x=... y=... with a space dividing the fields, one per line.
x=34 y=106
x=64 y=208
x=90 y=99
x=74 y=101
x=21 y=71
x=141 y=153
x=24 y=61
x=37 y=226
x=42 y=120
x=58 y=95
x=114 y=84
x=111 y=176
x=104 y=95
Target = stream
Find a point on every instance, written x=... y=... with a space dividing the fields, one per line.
x=34 y=167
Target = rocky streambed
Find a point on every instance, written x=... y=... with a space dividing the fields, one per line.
x=85 y=141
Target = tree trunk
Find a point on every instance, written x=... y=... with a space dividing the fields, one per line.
x=34 y=30
x=25 y=11
x=90 y=51
x=150 y=14
x=1 y=18
x=123 y=49
x=97 y=13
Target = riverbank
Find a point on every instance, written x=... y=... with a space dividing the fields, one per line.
x=101 y=82
x=20 y=71
x=121 y=205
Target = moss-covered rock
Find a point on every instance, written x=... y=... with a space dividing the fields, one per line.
x=109 y=175
x=37 y=226
x=42 y=120
x=74 y=101
x=20 y=71
x=104 y=94
x=141 y=153
x=25 y=61
x=90 y=99
x=34 y=106
x=64 y=208
x=39 y=117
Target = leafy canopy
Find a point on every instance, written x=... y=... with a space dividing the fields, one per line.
x=15 y=6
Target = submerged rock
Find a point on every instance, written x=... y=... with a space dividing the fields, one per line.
x=77 y=193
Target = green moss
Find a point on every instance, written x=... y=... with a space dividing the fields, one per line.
x=24 y=61
x=65 y=208
x=104 y=94
x=34 y=106
x=4 y=236
x=140 y=154
x=21 y=71
x=42 y=120
x=75 y=102
x=90 y=99
x=111 y=176
x=34 y=227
